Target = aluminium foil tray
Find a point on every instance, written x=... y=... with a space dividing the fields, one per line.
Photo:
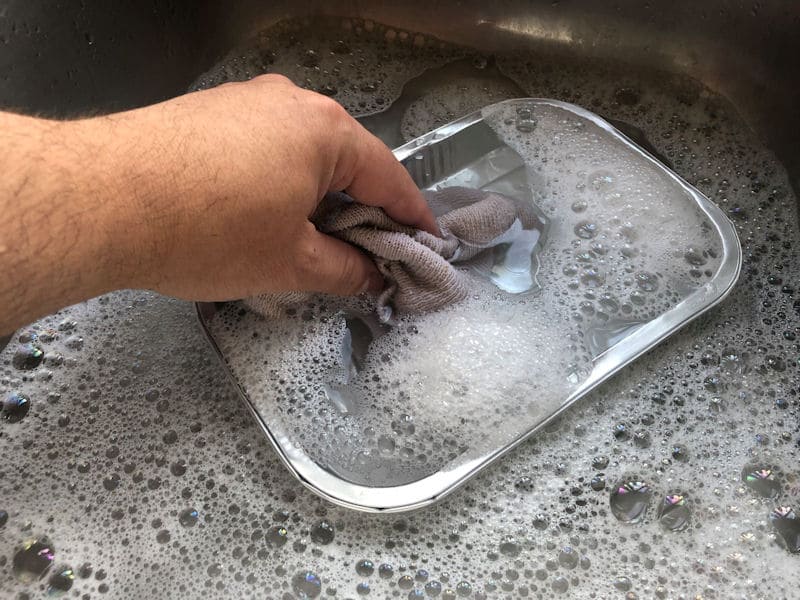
x=519 y=147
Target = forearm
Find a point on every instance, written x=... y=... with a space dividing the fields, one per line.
x=204 y=197
x=64 y=224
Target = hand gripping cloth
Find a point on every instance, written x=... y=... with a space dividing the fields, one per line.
x=418 y=267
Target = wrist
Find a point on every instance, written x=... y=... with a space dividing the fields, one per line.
x=127 y=187
x=91 y=204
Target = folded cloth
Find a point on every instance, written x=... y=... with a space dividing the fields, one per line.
x=418 y=267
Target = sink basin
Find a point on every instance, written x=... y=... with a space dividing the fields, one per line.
x=135 y=470
x=91 y=57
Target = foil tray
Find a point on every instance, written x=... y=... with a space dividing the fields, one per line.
x=478 y=151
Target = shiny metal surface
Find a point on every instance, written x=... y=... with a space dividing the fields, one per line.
x=85 y=56
x=55 y=56
x=469 y=152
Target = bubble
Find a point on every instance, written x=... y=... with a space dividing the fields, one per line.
x=365 y=568
x=586 y=230
x=673 y=513
x=568 y=558
x=525 y=121
x=560 y=584
x=598 y=483
x=15 y=407
x=510 y=547
x=761 y=480
x=787 y=527
x=647 y=282
x=621 y=432
x=433 y=588
x=622 y=583
x=629 y=500
x=695 y=257
x=111 y=482
x=386 y=571
x=33 y=560
x=178 y=468
x=679 y=452
x=593 y=278
x=306 y=585
x=163 y=536
x=3 y=518
x=775 y=363
x=27 y=357
x=363 y=589
x=579 y=206
x=641 y=439
x=463 y=588
x=60 y=582
x=277 y=536
x=188 y=517
x=322 y=533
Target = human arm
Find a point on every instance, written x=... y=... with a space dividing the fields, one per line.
x=205 y=197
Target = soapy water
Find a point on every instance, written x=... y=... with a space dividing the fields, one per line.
x=477 y=376
x=136 y=470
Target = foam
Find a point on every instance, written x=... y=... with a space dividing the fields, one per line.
x=475 y=377
x=688 y=417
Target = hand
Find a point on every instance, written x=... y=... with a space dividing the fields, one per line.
x=243 y=167
x=206 y=197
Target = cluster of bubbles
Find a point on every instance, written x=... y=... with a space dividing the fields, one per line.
x=498 y=365
x=132 y=469
x=626 y=242
x=378 y=426
x=362 y=64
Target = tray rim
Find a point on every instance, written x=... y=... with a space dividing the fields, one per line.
x=430 y=489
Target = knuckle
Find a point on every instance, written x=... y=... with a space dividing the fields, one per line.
x=273 y=78
x=331 y=109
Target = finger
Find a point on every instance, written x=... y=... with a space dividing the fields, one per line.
x=336 y=267
x=372 y=175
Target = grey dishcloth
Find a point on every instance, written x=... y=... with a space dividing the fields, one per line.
x=420 y=276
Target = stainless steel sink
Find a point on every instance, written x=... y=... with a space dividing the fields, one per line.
x=74 y=58
x=676 y=479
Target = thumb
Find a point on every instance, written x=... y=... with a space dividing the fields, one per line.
x=339 y=268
